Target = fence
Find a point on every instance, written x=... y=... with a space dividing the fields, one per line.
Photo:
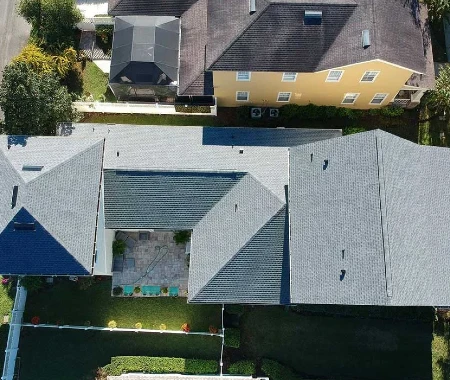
x=14 y=333
x=136 y=108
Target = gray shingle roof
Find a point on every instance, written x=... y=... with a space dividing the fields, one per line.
x=382 y=200
x=62 y=198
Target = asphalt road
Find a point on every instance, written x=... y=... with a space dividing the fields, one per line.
x=14 y=32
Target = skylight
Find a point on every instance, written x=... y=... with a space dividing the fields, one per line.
x=24 y=226
x=313 y=18
x=32 y=168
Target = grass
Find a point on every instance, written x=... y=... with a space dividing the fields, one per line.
x=7 y=294
x=441 y=351
x=64 y=302
x=338 y=347
x=431 y=129
x=95 y=83
x=75 y=355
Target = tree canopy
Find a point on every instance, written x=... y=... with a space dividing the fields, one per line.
x=33 y=103
x=437 y=9
x=440 y=96
x=52 y=22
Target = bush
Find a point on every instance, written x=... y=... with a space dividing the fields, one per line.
x=351 y=130
x=123 y=364
x=163 y=326
x=137 y=290
x=112 y=324
x=192 y=109
x=235 y=309
x=164 y=290
x=276 y=371
x=182 y=237
x=104 y=37
x=85 y=282
x=32 y=283
x=213 y=329
x=119 y=247
x=117 y=291
x=243 y=367
x=185 y=327
x=138 y=325
x=232 y=337
x=35 y=320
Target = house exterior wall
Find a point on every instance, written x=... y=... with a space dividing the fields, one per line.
x=308 y=88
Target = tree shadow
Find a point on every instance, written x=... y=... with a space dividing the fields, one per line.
x=74 y=82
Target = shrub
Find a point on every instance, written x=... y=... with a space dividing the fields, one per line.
x=276 y=371
x=32 y=283
x=162 y=326
x=352 y=130
x=118 y=247
x=182 y=237
x=117 y=291
x=243 y=113
x=243 y=367
x=35 y=320
x=213 y=329
x=232 y=337
x=192 y=109
x=5 y=281
x=185 y=327
x=392 y=111
x=122 y=364
x=112 y=324
x=101 y=374
x=235 y=309
x=137 y=290
x=138 y=325
x=87 y=323
x=85 y=282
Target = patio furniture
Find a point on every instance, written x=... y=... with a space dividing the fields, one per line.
x=173 y=291
x=144 y=235
x=118 y=264
x=129 y=241
x=128 y=290
x=130 y=263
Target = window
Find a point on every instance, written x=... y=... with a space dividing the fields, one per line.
x=334 y=75
x=350 y=98
x=284 y=97
x=378 y=98
x=242 y=96
x=243 y=76
x=289 y=77
x=369 y=76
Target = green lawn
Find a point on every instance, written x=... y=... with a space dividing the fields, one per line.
x=7 y=294
x=95 y=82
x=65 y=303
x=339 y=347
x=52 y=354
x=441 y=351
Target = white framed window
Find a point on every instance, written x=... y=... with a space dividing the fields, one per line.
x=369 y=76
x=289 y=77
x=350 y=98
x=284 y=96
x=378 y=99
x=243 y=76
x=242 y=96
x=334 y=75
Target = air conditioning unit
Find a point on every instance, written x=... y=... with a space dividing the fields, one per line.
x=274 y=112
x=256 y=113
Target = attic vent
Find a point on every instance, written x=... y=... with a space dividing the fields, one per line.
x=32 y=168
x=325 y=164
x=343 y=254
x=341 y=277
x=313 y=18
x=241 y=151
x=118 y=153
x=24 y=226
x=235 y=207
x=312 y=155
x=252 y=6
x=14 y=196
x=365 y=38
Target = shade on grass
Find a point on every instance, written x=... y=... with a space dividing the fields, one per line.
x=53 y=354
x=339 y=347
x=7 y=295
x=66 y=304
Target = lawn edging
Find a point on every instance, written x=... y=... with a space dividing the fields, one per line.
x=71 y=327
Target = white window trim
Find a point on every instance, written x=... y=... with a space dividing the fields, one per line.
x=243 y=80
x=284 y=101
x=288 y=80
x=369 y=71
x=378 y=104
x=334 y=81
x=348 y=93
x=240 y=100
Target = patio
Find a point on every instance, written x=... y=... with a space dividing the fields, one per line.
x=152 y=262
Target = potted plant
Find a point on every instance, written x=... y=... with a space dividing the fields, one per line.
x=118 y=247
x=137 y=290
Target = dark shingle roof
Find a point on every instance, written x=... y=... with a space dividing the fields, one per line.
x=149 y=7
x=383 y=201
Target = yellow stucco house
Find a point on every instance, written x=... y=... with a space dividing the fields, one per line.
x=349 y=53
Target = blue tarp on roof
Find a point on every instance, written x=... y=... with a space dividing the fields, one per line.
x=26 y=247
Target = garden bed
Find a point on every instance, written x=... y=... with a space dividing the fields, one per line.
x=65 y=303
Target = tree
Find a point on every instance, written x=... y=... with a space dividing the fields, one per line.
x=52 y=22
x=33 y=103
x=440 y=97
x=437 y=9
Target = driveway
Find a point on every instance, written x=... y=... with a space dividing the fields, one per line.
x=14 y=33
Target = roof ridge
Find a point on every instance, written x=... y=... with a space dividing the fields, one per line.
x=282 y=209
x=246 y=27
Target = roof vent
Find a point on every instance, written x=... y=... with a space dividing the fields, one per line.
x=241 y=151
x=32 y=168
x=312 y=155
x=24 y=226
x=252 y=6
x=313 y=18
x=343 y=254
x=325 y=164
x=341 y=277
x=235 y=207
x=14 y=196
x=365 y=38
x=118 y=153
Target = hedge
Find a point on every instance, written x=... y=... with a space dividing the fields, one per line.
x=124 y=364
x=192 y=109
x=276 y=371
x=234 y=309
x=232 y=337
x=243 y=367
